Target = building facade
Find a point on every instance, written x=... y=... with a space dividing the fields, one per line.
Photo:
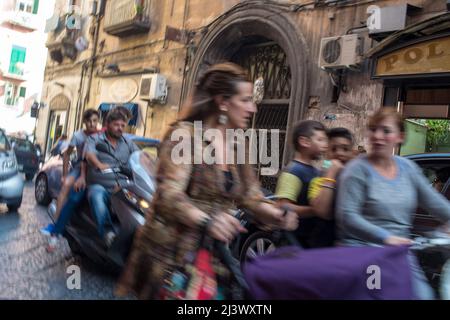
x=22 y=60
x=318 y=60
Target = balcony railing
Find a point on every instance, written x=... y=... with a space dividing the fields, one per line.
x=61 y=41
x=23 y=19
x=126 y=17
x=13 y=76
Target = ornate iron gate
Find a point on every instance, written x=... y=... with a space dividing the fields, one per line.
x=268 y=60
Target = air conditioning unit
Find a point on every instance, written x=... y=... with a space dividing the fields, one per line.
x=153 y=87
x=340 y=52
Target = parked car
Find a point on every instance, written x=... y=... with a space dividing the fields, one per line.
x=48 y=180
x=27 y=156
x=436 y=167
x=11 y=181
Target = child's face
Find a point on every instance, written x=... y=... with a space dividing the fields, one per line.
x=91 y=124
x=318 y=144
x=340 y=148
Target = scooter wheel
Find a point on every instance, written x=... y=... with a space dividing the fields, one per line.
x=258 y=244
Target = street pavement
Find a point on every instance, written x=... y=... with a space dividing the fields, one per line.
x=28 y=271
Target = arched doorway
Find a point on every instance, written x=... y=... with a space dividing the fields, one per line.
x=266 y=59
x=59 y=107
x=273 y=49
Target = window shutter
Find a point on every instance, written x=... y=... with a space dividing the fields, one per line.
x=22 y=92
x=17 y=55
x=35 y=6
x=12 y=61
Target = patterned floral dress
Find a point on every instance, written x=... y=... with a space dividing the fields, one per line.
x=165 y=240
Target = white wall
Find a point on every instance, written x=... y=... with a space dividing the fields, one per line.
x=35 y=60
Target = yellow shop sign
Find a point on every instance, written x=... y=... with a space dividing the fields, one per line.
x=431 y=56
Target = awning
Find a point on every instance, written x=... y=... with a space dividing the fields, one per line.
x=433 y=25
x=133 y=107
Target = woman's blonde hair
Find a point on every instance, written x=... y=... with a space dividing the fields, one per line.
x=384 y=113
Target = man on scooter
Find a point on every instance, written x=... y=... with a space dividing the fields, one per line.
x=101 y=183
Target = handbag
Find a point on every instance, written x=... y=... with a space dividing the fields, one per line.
x=196 y=280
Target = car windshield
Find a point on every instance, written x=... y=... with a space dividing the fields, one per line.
x=4 y=143
x=143 y=166
x=149 y=147
x=23 y=145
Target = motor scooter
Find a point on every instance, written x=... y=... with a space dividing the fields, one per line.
x=128 y=206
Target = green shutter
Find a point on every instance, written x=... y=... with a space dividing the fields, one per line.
x=12 y=61
x=22 y=92
x=35 y=6
x=17 y=55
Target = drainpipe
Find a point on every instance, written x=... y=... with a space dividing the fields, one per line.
x=91 y=61
x=186 y=57
x=80 y=93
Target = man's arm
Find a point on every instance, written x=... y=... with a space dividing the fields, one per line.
x=92 y=159
x=83 y=170
x=80 y=184
x=90 y=154
x=134 y=147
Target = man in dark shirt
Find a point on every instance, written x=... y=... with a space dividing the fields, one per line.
x=101 y=184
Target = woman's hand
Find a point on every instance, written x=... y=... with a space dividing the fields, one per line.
x=289 y=221
x=224 y=227
x=397 y=241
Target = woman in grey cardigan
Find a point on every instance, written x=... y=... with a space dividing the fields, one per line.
x=379 y=193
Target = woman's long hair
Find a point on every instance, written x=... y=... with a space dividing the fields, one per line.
x=219 y=80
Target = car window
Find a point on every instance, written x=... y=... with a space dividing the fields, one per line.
x=430 y=174
x=437 y=172
x=4 y=143
x=23 y=145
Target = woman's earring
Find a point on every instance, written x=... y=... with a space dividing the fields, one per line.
x=223 y=119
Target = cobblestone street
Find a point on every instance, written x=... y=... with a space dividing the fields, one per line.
x=28 y=271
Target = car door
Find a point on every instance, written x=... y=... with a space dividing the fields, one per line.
x=433 y=169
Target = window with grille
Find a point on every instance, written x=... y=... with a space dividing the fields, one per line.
x=269 y=61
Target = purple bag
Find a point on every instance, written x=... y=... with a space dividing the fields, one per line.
x=345 y=273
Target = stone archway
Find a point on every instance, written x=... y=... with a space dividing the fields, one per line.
x=59 y=107
x=59 y=102
x=225 y=38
